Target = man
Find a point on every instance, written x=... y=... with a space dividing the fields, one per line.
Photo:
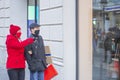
x=35 y=54
x=108 y=46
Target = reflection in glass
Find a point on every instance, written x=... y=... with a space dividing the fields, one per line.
x=106 y=40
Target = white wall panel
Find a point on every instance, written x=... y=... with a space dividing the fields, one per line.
x=2 y=22
x=57 y=49
x=44 y=4
x=45 y=32
x=7 y=22
x=69 y=29
x=19 y=8
x=2 y=41
x=47 y=43
x=54 y=3
x=2 y=3
x=7 y=3
x=2 y=12
x=7 y=12
x=4 y=31
x=3 y=57
x=53 y=16
x=60 y=72
x=56 y=32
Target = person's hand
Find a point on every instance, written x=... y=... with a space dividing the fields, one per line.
x=30 y=40
x=30 y=52
x=35 y=38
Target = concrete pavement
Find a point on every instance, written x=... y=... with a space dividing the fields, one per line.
x=101 y=70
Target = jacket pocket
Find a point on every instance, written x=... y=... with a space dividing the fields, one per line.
x=36 y=65
x=40 y=65
x=32 y=66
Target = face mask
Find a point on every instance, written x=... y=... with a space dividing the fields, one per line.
x=18 y=34
x=36 y=33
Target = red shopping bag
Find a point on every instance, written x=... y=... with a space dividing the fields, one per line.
x=50 y=72
x=116 y=65
x=115 y=68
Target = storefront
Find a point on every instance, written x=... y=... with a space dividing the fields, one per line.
x=66 y=26
x=108 y=19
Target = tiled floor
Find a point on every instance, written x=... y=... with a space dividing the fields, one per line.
x=101 y=70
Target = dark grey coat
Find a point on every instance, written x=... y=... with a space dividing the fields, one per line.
x=108 y=42
x=37 y=60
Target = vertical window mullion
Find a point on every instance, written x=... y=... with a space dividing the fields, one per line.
x=36 y=11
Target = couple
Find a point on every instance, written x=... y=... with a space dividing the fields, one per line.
x=31 y=49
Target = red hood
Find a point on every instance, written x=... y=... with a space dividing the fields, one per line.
x=13 y=29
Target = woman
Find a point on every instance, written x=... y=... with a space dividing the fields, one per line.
x=15 y=49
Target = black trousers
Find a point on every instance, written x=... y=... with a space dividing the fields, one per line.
x=16 y=74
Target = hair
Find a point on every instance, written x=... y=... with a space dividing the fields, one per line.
x=31 y=28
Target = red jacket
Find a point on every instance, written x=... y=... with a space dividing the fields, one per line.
x=15 y=51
